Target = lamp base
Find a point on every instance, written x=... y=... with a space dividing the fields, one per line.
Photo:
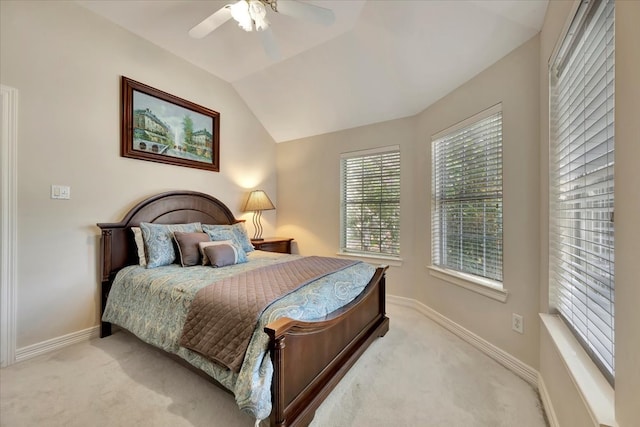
x=256 y=223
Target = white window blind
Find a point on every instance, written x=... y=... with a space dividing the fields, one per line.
x=581 y=244
x=467 y=196
x=371 y=201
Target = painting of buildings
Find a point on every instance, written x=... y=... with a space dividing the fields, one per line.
x=161 y=127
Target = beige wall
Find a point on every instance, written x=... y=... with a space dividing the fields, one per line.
x=561 y=389
x=309 y=191
x=66 y=64
x=309 y=198
x=513 y=81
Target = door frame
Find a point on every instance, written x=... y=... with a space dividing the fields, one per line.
x=8 y=222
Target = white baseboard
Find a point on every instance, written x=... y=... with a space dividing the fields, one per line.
x=546 y=402
x=509 y=361
x=53 y=344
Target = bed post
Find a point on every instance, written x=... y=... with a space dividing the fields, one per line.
x=105 y=247
x=277 y=351
x=383 y=298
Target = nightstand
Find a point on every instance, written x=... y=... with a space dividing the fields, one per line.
x=273 y=244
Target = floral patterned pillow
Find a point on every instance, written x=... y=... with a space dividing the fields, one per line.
x=241 y=238
x=158 y=241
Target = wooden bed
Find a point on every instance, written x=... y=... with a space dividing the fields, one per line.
x=309 y=358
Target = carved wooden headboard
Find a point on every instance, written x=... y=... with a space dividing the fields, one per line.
x=175 y=207
x=118 y=249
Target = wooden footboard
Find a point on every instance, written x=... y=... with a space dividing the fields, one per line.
x=310 y=358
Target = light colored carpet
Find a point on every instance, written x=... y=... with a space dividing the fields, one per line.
x=417 y=375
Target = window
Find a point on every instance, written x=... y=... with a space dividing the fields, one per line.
x=467 y=197
x=370 y=217
x=581 y=246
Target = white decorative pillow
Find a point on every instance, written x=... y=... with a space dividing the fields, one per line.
x=142 y=255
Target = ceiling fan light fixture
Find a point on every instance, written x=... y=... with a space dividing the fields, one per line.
x=240 y=12
x=249 y=14
x=259 y=14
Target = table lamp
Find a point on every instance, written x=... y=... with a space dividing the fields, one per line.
x=257 y=202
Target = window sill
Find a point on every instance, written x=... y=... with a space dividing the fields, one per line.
x=486 y=287
x=594 y=389
x=388 y=260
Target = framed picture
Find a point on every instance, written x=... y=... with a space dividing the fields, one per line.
x=160 y=127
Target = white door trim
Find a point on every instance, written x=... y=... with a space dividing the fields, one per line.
x=8 y=222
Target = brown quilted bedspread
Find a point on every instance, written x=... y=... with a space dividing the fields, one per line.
x=223 y=315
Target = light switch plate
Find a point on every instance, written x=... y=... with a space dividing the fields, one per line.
x=60 y=192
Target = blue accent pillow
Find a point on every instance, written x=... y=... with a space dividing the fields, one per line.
x=240 y=236
x=158 y=241
x=241 y=233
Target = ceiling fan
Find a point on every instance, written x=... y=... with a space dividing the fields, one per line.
x=252 y=15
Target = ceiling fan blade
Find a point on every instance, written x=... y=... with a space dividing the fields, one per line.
x=270 y=44
x=211 y=23
x=306 y=12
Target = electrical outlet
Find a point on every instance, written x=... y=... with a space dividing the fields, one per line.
x=517 y=323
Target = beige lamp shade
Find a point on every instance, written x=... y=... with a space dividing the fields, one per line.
x=258 y=201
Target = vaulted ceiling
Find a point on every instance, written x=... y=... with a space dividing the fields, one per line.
x=380 y=60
